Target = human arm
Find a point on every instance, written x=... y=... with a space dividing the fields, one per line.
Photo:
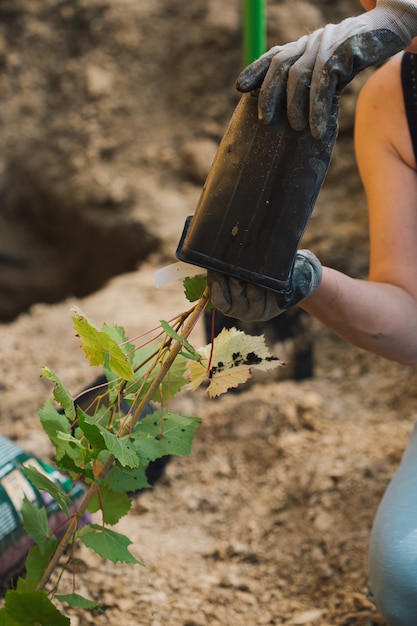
x=309 y=74
x=380 y=314
x=379 y=317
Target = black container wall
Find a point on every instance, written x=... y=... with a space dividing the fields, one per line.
x=257 y=199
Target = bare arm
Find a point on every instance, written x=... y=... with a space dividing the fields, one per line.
x=379 y=317
x=380 y=314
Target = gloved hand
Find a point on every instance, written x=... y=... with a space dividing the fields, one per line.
x=252 y=303
x=310 y=73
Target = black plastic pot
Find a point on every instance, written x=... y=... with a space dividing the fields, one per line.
x=257 y=199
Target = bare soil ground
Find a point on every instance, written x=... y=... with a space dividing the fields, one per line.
x=111 y=113
x=267 y=521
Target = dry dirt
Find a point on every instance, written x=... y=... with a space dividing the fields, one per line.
x=114 y=108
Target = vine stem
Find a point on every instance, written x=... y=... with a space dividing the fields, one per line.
x=175 y=348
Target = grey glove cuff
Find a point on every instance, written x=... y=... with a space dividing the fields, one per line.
x=306 y=278
x=399 y=16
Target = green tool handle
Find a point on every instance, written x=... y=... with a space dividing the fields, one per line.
x=254 y=30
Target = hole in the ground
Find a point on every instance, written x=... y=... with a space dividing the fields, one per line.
x=50 y=250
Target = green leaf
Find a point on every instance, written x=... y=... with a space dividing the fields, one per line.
x=122 y=480
x=91 y=429
x=189 y=356
x=113 y=505
x=73 y=450
x=98 y=345
x=144 y=358
x=174 y=335
x=53 y=422
x=36 y=563
x=77 y=601
x=118 y=334
x=58 y=429
x=24 y=584
x=171 y=384
x=32 y=608
x=108 y=544
x=122 y=449
x=194 y=287
x=6 y=620
x=45 y=484
x=152 y=439
x=61 y=394
x=35 y=522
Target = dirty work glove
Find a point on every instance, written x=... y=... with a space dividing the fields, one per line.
x=252 y=303
x=310 y=73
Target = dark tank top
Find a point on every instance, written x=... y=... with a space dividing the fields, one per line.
x=409 y=85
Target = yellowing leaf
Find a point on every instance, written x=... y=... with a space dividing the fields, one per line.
x=99 y=345
x=233 y=358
